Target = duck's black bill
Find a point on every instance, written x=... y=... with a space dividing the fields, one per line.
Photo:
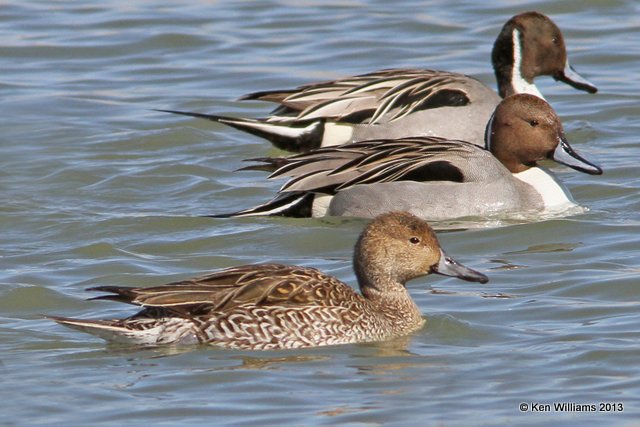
x=450 y=267
x=567 y=156
x=572 y=78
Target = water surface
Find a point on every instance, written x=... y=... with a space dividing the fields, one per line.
x=98 y=189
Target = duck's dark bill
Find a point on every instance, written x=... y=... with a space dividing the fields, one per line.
x=450 y=267
x=564 y=154
x=572 y=78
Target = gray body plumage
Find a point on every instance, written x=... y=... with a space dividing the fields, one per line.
x=436 y=178
x=463 y=122
x=405 y=102
x=437 y=202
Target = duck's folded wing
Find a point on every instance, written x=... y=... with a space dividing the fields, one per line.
x=420 y=159
x=381 y=96
x=261 y=284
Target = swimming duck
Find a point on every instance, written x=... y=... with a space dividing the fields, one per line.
x=396 y=103
x=433 y=178
x=273 y=306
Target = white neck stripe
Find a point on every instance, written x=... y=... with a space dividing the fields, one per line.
x=518 y=83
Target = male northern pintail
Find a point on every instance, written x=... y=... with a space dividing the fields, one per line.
x=433 y=178
x=398 y=103
x=271 y=306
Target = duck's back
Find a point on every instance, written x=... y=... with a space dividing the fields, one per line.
x=461 y=122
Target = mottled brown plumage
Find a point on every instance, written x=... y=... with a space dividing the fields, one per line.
x=272 y=306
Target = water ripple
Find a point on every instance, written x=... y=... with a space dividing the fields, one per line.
x=99 y=189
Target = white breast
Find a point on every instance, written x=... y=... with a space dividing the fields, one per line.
x=553 y=194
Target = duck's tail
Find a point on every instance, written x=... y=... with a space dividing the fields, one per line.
x=141 y=331
x=110 y=330
x=293 y=204
x=285 y=135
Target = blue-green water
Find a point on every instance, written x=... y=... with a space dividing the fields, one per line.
x=98 y=189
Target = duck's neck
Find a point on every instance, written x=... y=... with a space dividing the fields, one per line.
x=509 y=70
x=383 y=289
x=396 y=308
x=388 y=293
x=389 y=299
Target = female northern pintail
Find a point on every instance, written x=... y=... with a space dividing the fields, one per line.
x=398 y=103
x=431 y=177
x=271 y=306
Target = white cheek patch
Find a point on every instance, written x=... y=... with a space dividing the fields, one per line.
x=519 y=84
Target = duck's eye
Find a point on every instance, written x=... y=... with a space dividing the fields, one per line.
x=533 y=123
x=414 y=240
